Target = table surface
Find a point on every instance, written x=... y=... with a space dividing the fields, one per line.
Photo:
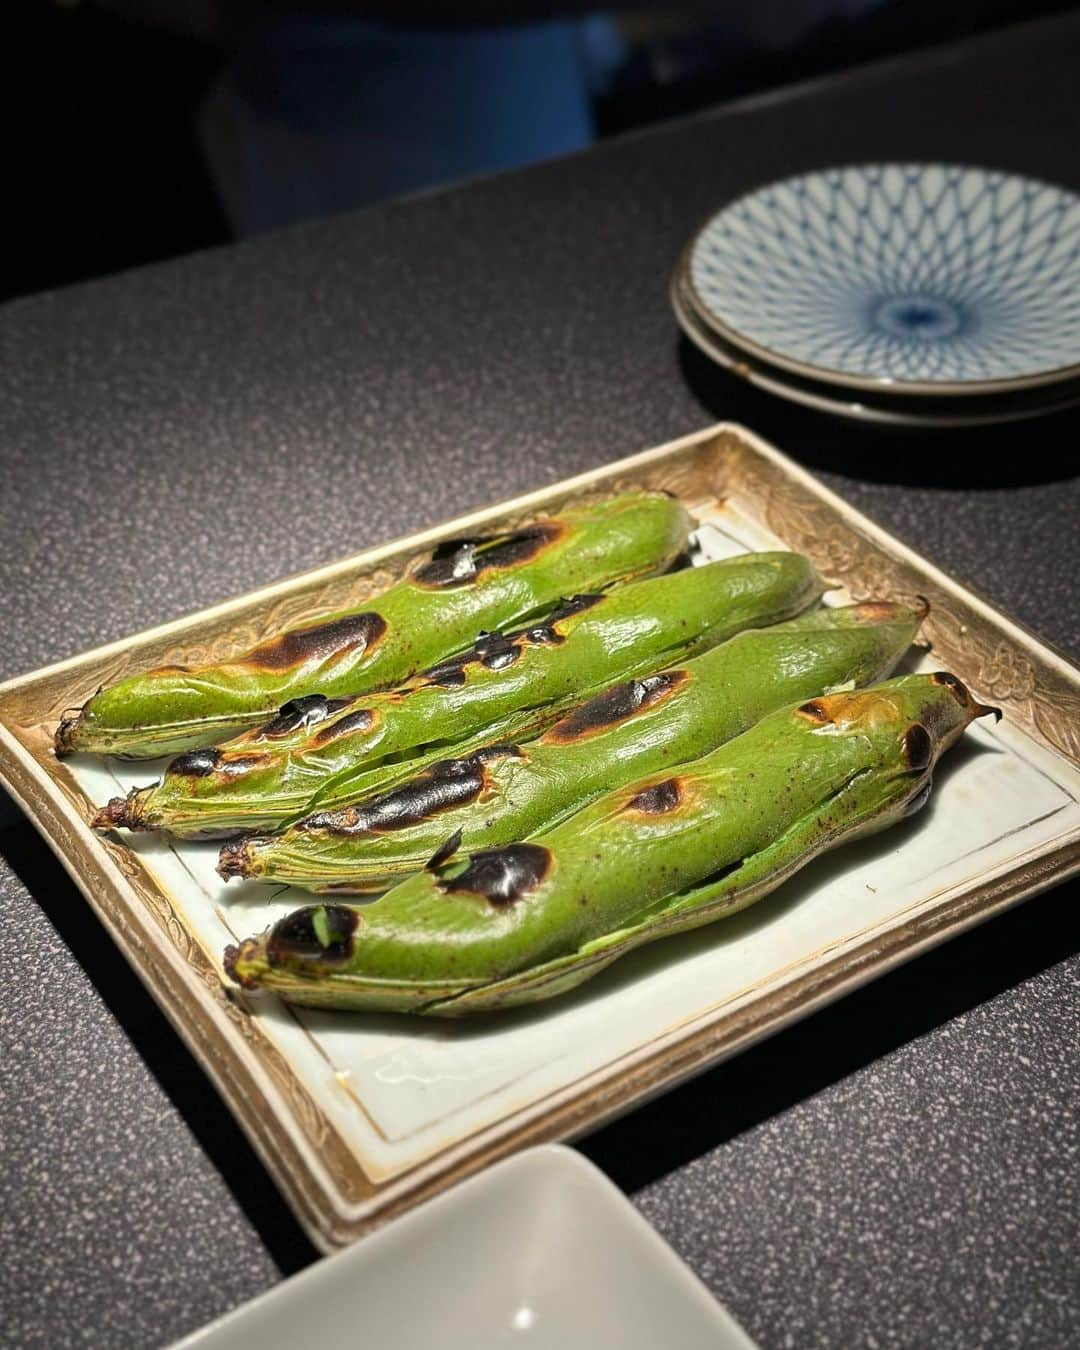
x=901 y=1168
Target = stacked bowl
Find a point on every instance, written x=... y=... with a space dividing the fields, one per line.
x=913 y=294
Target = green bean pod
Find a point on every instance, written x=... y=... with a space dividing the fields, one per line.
x=529 y=920
x=502 y=686
x=503 y=793
x=466 y=585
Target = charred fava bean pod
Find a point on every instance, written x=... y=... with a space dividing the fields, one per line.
x=503 y=685
x=501 y=793
x=529 y=920
x=466 y=585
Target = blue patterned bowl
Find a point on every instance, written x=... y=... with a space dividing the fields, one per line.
x=926 y=278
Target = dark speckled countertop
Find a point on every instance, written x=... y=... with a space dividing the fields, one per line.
x=900 y=1169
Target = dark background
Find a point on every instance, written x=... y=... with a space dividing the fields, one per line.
x=108 y=150
x=899 y=1169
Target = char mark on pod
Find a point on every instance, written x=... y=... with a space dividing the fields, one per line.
x=301 y=713
x=502 y=876
x=322 y=933
x=947 y=681
x=445 y=785
x=814 y=711
x=202 y=763
x=317 y=642
x=363 y=719
x=457 y=562
x=496 y=651
x=614 y=706
x=493 y=650
x=658 y=799
x=962 y=694
x=546 y=633
x=196 y=763
x=917 y=747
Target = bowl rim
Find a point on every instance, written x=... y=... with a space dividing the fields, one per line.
x=871 y=383
x=830 y=400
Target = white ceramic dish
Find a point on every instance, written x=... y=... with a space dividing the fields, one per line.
x=922 y=279
x=540 y=1252
x=988 y=410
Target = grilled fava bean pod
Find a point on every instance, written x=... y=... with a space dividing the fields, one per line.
x=466 y=585
x=502 y=793
x=504 y=684
x=529 y=920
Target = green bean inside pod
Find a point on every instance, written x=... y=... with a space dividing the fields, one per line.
x=467 y=584
x=529 y=920
x=504 y=686
x=505 y=792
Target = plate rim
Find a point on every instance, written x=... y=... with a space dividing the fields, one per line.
x=302 y=1152
x=738 y=363
x=878 y=384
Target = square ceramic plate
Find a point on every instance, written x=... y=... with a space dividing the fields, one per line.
x=541 y=1250
x=358 y=1118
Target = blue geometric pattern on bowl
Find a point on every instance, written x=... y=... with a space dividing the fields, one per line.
x=927 y=274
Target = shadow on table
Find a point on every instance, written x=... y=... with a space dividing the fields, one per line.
x=835 y=1042
x=170 y=1061
x=652 y=1140
x=1014 y=454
